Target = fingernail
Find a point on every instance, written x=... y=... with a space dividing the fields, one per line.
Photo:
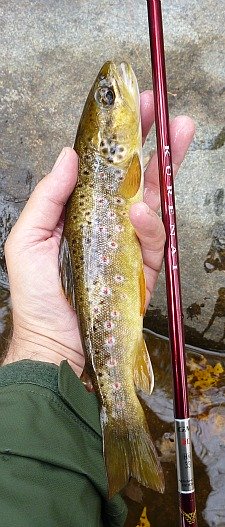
x=59 y=159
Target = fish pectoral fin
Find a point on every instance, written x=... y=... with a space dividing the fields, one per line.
x=143 y=372
x=131 y=184
x=66 y=271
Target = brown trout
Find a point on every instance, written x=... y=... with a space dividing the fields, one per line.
x=102 y=273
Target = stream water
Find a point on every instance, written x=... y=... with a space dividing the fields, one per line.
x=206 y=380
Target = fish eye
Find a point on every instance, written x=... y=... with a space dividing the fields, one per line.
x=105 y=96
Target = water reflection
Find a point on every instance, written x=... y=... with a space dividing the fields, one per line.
x=206 y=379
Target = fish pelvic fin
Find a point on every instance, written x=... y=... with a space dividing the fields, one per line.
x=143 y=372
x=66 y=271
x=130 y=453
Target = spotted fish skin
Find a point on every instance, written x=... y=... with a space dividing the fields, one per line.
x=104 y=270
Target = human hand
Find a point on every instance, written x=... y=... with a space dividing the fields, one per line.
x=45 y=326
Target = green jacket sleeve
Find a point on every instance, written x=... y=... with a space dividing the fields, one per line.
x=52 y=472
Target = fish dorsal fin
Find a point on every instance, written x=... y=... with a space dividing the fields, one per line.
x=66 y=271
x=143 y=372
x=131 y=184
x=142 y=284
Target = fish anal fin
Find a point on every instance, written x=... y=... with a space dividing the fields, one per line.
x=142 y=283
x=130 y=452
x=131 y=184
x=66 y=271
x=143 y=372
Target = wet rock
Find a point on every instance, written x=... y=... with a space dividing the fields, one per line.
x=49 y=59
x=8 y=216
x=201 y=227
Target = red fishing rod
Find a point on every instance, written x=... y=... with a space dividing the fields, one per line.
x=185 y=474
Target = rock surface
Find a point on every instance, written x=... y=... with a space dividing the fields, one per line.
x=50 y=53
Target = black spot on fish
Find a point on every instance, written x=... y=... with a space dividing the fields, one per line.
x=112 y=150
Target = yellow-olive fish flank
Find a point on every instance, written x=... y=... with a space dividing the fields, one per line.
x=102 y=272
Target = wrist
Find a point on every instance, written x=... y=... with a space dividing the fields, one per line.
x=27 y=344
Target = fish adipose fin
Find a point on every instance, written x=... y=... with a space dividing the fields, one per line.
x=66 y=271
x=130 y=453
x=143 y=372
x=131 y=184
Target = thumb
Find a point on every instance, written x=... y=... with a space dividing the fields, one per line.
x=45 y=205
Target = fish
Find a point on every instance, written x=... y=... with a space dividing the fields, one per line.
x=103 y=276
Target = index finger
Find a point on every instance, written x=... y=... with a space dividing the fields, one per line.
x=147 y=112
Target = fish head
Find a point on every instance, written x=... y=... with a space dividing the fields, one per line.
x=110 y=125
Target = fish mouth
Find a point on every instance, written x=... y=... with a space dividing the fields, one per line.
x=128 y=77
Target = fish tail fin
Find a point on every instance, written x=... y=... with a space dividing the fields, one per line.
x=130 y=453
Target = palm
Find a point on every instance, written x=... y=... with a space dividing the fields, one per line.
x=40 y=309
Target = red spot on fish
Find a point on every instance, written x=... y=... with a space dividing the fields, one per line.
x=108 y=325
x=115 y=314
x=118 y=228
x=116 y=386
x=112 y=363
x=110 y=341
x=104 y=259
x=101 y=228
x=113 y=245
x=120 y=406
x=102 y=201
x=111 y=214
x=119 y=278
x=105 y=291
